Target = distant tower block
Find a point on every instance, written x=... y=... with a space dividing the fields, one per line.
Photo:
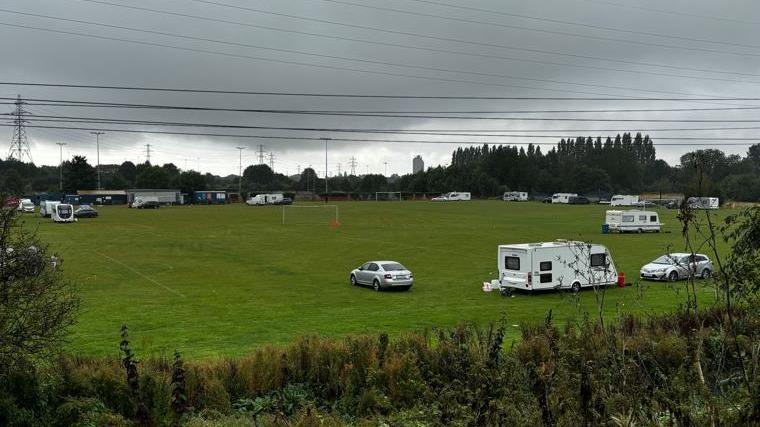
x=417 y=164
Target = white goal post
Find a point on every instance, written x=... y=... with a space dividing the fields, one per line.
x=310 y=214
x=388 y=195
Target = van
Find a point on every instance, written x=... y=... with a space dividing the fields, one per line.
x=633 y=221
x=562 y=197
x=63 y=212
x=145 y=201
x=560 y=264
x=265 y=199
x=624 y=200
x=515 y=196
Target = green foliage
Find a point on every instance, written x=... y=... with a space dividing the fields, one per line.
x=78 y=174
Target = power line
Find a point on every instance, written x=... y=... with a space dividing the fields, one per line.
x=94 y=104
x=672 y=12
x=405 y=33
x=305 y=138
x=306 y=53
x=379 y=96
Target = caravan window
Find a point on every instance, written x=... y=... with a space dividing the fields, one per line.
x=545 y=266
x=643 y=218
x=653 y=218
x=512 y=263
x=545 y=278
x=627 y=218
x=598 y=260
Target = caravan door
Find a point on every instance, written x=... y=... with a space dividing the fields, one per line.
x=514 y=267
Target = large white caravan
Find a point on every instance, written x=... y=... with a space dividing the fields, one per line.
x=633 y=221
x=562 y=197
x=46 y=207
x=561 y=264
x=453 y=196
x=624 y=200
x=703 y=202
x=515 y=196
x=265 y=199
x=63 y=212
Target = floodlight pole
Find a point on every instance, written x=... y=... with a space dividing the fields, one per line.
x=60 y=166
x=240 y=172
x=97 y=145
x=326 y=196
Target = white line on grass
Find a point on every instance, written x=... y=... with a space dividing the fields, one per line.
x=150 y=279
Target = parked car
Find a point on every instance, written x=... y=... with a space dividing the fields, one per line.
x=382 y=275
x=578 y=200
x=149 y=204
x=284 y=201
x=85 y=211
x=26 y=206
x=677 y=266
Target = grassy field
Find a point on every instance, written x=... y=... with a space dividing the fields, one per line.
x=220 y=280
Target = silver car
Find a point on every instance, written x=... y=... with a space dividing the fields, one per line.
x=678 y=266
x=382 y=275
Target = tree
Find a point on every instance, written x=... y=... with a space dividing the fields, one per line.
x=258 y=175
x=190 y=181
x=37 y=305
x=12 y=183
x=78 y=175
x=128 y=171
x=152 y=177
x=308 y=180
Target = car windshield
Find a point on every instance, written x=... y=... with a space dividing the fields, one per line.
x=665 y=259
x=393 y=266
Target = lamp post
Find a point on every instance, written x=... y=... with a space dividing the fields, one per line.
x=240 y=172
x=60 y=166
x=97 y=145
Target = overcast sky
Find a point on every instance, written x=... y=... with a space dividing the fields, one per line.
x=691 y=48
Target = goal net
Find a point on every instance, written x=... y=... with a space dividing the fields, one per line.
x=388 y=195
x=310 y=215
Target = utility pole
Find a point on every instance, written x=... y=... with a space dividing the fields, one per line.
x=386 y=168
x=326 y=196
x=240 y=172
x=60 y=166
x=97 y=145
x=147 y=153
x=339 y=168
x=271 y=160
x=352 y=163
x=19 y=149
x=261 y=154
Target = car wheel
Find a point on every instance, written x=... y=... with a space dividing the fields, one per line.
x=376 y=285
x=353 y=280
x=576 y=287
x=706 y=273
x=673 y=276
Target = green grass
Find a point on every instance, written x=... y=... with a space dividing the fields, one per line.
x=221 y=280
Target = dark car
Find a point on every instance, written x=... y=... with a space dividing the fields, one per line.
x=85 y=211
x=578 y=200
x=547 y=200
x=151 y=204
x=284 y=201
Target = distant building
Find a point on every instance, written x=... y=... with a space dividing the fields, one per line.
x=417 y=164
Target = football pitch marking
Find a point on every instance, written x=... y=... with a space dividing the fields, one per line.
x=139 y=273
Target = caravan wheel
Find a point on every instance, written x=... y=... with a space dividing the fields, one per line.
x=576 y=287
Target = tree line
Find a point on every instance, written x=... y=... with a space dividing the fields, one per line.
x=624 y=163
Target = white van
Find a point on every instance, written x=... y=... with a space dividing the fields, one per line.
x=624 y=200
x=560 y=264
x=265 y=199
x=633 y=220
x=703 y=202
x=515 y=196
x=562 y=197
x=25 y=206
x=46 y=207
x=63 y=212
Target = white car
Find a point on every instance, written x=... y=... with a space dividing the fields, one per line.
x=26 y=205
x=677 y=266
x=382 y=275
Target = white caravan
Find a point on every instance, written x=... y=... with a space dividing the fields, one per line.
x=265 y=199
x=515 y=196
x=562 y=197
x=703 y=202
x=624 y=200
x=46 y=207
x=453 y=196
x=63 y=212
x=633 y=220
x=560 y=264
x=140 y=201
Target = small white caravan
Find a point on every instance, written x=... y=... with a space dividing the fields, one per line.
x=633 y=221
x=562 y=197
x=624 y=200
x=63 y=212
x=452 y=196
x=515 y=196
x=561 y=264
x=46 y=207
x=703 y=202
x=265 y=199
